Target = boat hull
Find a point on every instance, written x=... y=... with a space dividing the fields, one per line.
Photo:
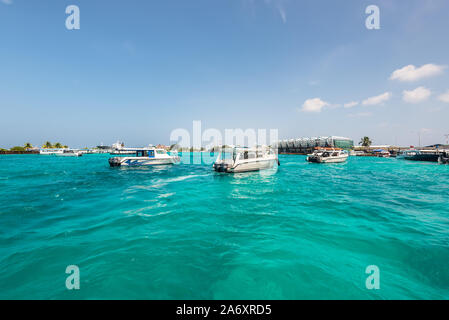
x=423 y=157
x=326 y=159
x=253 y=166
x=135 y=161
x=245 y=166
x=77 y=154
x=50 y=153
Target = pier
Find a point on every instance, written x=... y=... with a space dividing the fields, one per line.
x=307 y=145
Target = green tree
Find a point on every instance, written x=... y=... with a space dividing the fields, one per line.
x=47 y=145
x=65 y=147
x=17 y=149
x=28 y=145
x=365 y=142
x=57 y=145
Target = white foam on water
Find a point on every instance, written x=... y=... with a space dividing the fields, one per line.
x=166 y=195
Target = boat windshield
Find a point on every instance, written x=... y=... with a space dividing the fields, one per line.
x=142 y=153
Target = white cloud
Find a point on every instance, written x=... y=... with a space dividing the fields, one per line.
x=415 y=96
x=411 y=73
x=351 y=104
x=314 y=105
x=7 y=1
x=275 y=4
x=377 y=99
x=283 y=14
x=444 y=97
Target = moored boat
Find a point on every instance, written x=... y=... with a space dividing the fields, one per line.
x=70 y=153
x=50 y=151
x=242 y=159
x=381 y=153
x=420 y=155
x=144 y=157
x=328 y=155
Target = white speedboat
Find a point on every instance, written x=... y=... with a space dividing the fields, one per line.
x=328 y=155
x=144 y=157
x=245 y=159
x=50 y=151
x=70 y=153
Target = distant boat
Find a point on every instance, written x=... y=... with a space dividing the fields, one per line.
x=420 y=155
x=118 y=149
x=144 y=157
x=242 y=159
x=50 y=151
x=381 y=153
x=328 y=155
x=70 y=153
x=359 y=153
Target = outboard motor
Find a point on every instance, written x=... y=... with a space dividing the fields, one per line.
x=114 y=162
x=221 y=167
x=443 y=158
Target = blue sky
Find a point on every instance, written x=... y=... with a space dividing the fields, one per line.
x=137 y=69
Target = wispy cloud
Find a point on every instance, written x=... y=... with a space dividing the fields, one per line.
x=444 y=97
x=6 y=1
x=282 y=13
x=411 y=73
x=372 y=101
x=278 y=5
x=417 y=95
x=314 y=105
x=351 y=104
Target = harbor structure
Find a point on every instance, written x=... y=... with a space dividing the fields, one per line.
x=397 y=150
x=307 y=145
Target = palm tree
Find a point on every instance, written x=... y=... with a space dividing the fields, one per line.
x=65 y=147
x=58 y=145
x=28 y=145
x=47 y=145
x=365 y=142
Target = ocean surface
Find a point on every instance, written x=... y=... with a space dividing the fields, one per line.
x=305 y=231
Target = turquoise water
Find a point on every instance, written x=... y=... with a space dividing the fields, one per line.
x=186 y=232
